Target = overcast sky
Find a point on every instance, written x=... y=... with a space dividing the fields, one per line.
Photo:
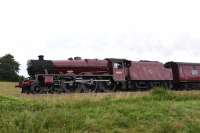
x=162 y=30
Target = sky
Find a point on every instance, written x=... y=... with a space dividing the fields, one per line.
x=163 y=30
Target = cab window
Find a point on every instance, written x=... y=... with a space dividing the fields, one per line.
x=117 y=65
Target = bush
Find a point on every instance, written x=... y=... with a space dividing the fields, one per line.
x=161 y=93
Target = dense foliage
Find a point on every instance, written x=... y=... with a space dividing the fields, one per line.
x=9 y=68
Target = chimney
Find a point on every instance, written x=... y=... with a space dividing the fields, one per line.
x=41 y=57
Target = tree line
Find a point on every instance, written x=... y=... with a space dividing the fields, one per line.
x=9 y=68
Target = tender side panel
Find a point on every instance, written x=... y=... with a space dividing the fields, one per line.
x=150 y=70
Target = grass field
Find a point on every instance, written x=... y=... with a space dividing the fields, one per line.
x=155 y=111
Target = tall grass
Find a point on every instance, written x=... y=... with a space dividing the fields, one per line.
x=157 y=111
x=160 y=93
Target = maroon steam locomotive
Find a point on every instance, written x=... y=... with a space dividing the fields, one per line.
x=110 y=74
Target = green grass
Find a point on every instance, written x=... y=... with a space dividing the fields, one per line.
x=157 y=111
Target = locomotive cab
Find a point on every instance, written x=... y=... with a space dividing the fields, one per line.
x=120 y=72
x=119 y=69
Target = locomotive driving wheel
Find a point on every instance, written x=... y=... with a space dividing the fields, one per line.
x=65 y=87
x=82 y=88
x=35 y=88
x=105 y=87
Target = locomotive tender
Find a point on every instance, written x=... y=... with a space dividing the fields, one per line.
x=110 y=74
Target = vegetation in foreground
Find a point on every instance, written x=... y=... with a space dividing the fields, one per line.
x=156 y=111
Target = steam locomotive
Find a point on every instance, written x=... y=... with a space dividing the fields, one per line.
x=108 y=75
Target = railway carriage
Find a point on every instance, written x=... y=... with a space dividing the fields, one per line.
x=186 y=76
